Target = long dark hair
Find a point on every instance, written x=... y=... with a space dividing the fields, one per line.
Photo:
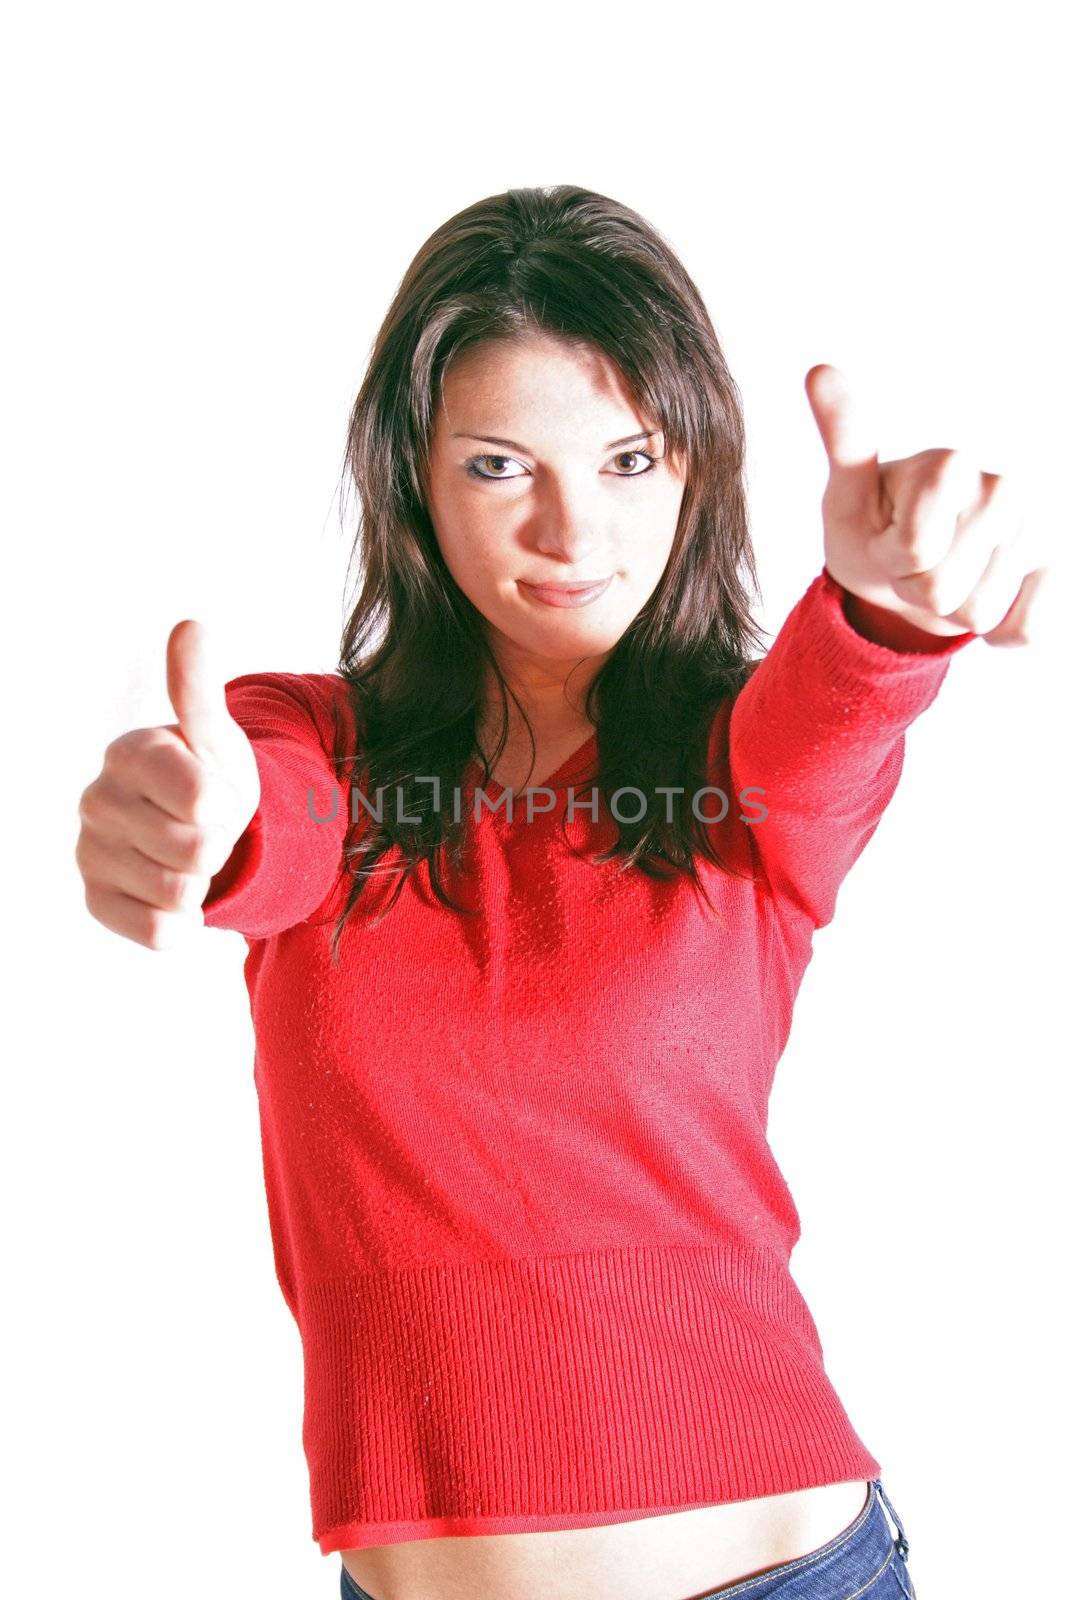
x=583 y=268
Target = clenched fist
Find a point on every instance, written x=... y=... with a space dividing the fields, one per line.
x=168 y=807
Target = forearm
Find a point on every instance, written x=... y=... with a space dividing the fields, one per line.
x=818 y=731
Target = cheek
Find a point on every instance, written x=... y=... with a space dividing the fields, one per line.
x=463 y=537
x=649 y=536
x=485 y=551
x=479 y=559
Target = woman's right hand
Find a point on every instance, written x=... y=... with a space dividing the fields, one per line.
x=168 y=806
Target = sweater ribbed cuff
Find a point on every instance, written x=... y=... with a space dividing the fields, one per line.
x=856 y=663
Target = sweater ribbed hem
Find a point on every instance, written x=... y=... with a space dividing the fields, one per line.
x=563 y=1391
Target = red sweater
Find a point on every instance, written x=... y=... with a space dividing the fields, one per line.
x=523 y=1207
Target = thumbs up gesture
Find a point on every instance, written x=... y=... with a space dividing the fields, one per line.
x=168 y=806
x=931 y=537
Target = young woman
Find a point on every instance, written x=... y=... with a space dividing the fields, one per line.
x=529 y=886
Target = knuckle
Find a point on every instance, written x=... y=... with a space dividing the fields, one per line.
x=187 y=849
x=161 y=929
x=90 y=806
x=125 y=745
x=81 y=853
x=121 y=764
x=198 y=808
x=930 y=591
x=195 y=796
x=173 y=888
x=952 y=463
x=204 y=849
x=189 y=846
x=100 y=811
x=999 y=622
x=154 y=930
x=910 y=541
x=138 y=751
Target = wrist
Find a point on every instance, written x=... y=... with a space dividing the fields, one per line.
x=889 y=628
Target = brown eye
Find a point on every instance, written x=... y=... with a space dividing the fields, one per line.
x=487 y=477
x=633 y=456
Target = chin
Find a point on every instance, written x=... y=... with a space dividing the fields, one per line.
x=568 y=642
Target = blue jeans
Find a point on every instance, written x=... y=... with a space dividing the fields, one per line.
x=865 y=1560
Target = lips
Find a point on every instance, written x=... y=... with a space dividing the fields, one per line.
x=566 y=594
x=567 y=588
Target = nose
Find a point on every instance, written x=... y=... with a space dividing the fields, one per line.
x=567 y=529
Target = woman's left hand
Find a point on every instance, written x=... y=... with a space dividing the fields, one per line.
x=931 y=537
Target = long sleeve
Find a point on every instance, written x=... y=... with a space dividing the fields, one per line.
x=817 y=732
x=286 y=862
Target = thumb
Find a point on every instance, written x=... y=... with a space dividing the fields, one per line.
x=847 y=435
x=196 y=690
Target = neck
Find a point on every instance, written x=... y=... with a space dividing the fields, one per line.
x=551 y=694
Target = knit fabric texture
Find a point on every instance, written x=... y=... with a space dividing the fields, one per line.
x=522 y=1202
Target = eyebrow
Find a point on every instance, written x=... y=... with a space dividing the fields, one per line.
x=487 y=438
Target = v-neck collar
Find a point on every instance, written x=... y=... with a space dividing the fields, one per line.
x=555 y=780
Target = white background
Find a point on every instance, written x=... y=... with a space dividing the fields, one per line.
x=208 y=209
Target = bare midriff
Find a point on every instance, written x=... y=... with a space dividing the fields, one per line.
x=677 y=1556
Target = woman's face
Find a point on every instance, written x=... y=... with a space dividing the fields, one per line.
x=535 y=478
